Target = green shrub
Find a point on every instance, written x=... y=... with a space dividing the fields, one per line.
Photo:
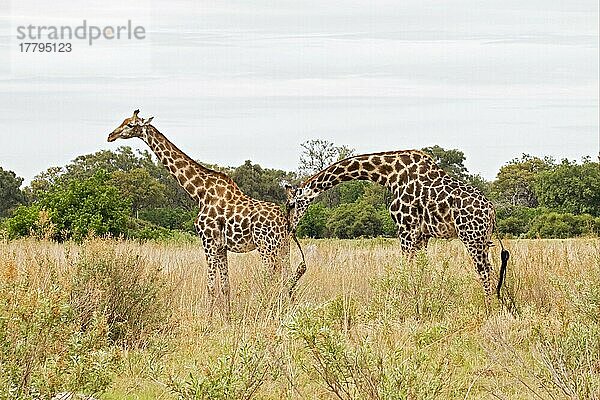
x=73 y=210
x=42 y=349
x=133 y=297
x=23 y=222
x=556 y=225
x=171 y=218
x=314 y=222
x=237 y=374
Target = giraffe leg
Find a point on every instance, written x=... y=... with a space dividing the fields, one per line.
x=407 y=219
x=216 y=258
x=272 y=262
x=210 y=286
x=479 y=255
x=224 y=283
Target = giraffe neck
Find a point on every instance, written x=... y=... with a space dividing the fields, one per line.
x=387 y=169
x=194 y=178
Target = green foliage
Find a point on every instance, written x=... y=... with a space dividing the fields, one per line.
x=143 y=190
x=354 y=220
x=351 y=191
x=262 y=183
x=131 y=172
x=10 y=192
x=25 y=221
x=313 y=224
x=237 y=374
x=359 y=219
x=515 y=221
x=452 y=161
x=318 y=154
x=516 y=179
x=73 y=210
x=171 y=218
x=42 y=348
x=556 y=225
x=570 y=188
x=89 y=206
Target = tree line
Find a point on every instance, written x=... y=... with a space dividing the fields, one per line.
x=128 y=193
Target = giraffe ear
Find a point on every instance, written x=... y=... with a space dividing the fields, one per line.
x=147 y=122
x=135 y=113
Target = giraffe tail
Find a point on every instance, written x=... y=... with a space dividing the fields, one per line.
x=504 y=256
x=300 y=270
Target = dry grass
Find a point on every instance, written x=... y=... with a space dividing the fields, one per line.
x=363 y=324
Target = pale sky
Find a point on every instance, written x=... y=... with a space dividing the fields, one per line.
x=235 y=80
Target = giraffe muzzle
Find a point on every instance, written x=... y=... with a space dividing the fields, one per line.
x=113 y=136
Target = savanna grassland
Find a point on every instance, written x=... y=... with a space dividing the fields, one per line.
x=128 y=320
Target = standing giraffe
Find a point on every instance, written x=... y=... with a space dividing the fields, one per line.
x=228 y=220
x=426 y=203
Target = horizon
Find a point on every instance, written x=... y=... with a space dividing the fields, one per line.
x=234 y=82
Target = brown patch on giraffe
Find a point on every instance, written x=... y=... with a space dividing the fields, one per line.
x=385 y=169
x=353 y=166
x=368 y=166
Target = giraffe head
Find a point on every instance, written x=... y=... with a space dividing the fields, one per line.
x=298 y=200
x=131 y=127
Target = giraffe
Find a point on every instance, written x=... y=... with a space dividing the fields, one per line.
x=426 y=203
x=228 y=220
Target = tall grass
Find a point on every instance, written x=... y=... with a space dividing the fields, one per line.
x=364 y=323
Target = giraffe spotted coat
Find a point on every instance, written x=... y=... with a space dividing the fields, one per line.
x=426 y=203
x=228 y=220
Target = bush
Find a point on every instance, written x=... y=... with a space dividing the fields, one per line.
x=42 y=348
x=352 y=220
x=23 y=223
x=515 y=221
x=133 y=297
x=73 y=210
x=237 y=374
x=314 y=222
x=171 y=218
x=364 y=368
x=555 y=225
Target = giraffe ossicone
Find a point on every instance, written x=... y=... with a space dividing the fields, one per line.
x=426 y=203
x=228 y=220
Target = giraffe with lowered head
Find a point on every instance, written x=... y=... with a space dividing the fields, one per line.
x=228 y=220
x=427 y=202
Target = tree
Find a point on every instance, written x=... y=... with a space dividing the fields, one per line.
x=570 y=188
x=82 y=207
x=451 y=161
x=515 y=181
x=123 y=162
x=314 y=222
x=262 y=183
x=10 y=192
x=143 y=190
x=319 y=154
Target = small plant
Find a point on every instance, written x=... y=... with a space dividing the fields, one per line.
x=237 y=374
x=417 y=289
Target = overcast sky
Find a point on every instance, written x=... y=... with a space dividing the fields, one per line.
x=236 y=80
